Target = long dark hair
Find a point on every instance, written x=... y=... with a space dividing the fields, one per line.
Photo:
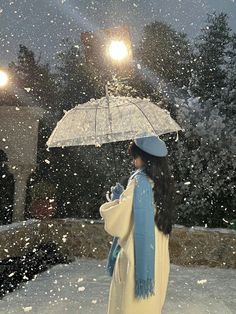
x=157 y=169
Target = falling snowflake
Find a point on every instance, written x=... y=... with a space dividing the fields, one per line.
x=27 y=308
x=202 y=281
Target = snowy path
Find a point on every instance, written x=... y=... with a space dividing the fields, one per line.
x=82 y=287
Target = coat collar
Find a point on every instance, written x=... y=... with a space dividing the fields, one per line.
x=141 y=171
x=135 y=172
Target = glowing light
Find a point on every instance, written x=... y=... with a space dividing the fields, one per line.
x=3 y=78
x=118 y=50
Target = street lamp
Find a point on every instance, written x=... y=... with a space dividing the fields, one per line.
x=109 y=48
x=3 y=78
x=118 y=50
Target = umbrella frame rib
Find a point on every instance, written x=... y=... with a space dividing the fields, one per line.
x=144 y=115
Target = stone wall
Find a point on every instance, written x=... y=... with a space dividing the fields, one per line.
x=188 y=246
x=201 y=246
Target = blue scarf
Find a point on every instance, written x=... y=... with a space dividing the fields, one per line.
x=144 y=238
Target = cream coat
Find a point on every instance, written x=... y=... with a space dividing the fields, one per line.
x=118 y=219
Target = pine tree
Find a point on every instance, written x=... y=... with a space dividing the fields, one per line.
x=229 y=95
x=209 y=72
x=166 y=52
x=35 y=78
x=80 y=81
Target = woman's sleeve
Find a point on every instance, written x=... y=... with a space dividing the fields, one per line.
x=117 y=214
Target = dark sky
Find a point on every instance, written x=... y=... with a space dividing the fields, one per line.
x=42 y=24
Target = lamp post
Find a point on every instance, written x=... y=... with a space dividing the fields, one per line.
x=108 y=48
x=19 y=144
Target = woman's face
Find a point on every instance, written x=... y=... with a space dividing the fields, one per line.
x=138 y=163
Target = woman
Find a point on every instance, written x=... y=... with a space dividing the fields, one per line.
x=140 y=220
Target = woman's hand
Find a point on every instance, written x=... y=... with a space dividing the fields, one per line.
x=116 y=191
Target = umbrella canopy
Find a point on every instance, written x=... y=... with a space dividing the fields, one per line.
x=111 y=119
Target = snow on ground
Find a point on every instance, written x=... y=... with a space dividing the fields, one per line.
x=82 y=287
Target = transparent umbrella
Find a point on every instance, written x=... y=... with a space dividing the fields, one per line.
x=111 y=119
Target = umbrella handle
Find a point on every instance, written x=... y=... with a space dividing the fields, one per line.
x=113 y=147
x=114 y=158
x=108 y=196
x=177 y=136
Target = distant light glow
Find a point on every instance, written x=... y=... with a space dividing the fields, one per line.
x=3 y=78
x=118 y=50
